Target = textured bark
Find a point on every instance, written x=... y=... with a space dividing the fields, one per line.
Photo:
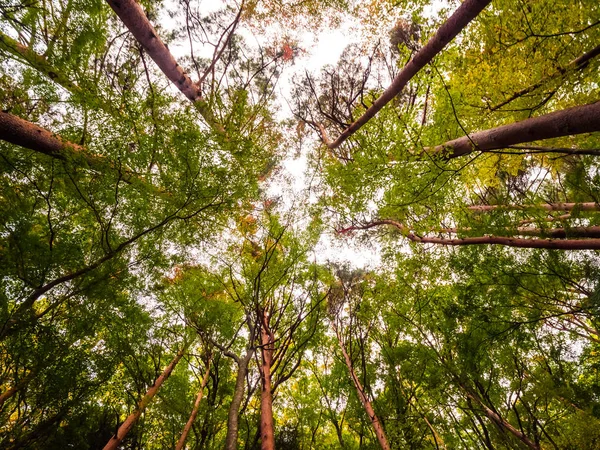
x=576 y=64
x=377 y=427
x=132 y=419
x=20 y=132
x=267 y=428
x=448 y=31
x=236 y=402
x=589 y=206
x=568 y=122
x=559 y=244
x=134 y=18
x=190 y=422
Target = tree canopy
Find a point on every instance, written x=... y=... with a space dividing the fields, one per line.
x=166 y=283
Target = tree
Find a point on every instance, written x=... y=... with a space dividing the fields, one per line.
x=165 y=284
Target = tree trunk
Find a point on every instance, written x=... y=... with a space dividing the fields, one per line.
x=132 y=419
x=448 y=31
x=559 y=244
x=267 y=429
x=568 y=122
x=20 y=132
x=238 y=395
x=190 y=422
x=377 y=427
x=38 y=62
x=134 y=18
x=589 y=206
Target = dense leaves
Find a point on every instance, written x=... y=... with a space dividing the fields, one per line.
x=153 y=230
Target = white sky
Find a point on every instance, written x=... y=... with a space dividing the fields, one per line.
x=319 y=49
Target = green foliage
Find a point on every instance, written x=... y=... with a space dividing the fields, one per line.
x=171 y=238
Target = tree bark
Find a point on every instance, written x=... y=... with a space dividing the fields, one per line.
x=568 y=122
x=589 y=206
x=238 y=394
x=559 y=244
x=132 y=419
x=267 y=429
x=190 y=422
x=20 y=132
x=465 y=13
x=377 y=427
x=134 y=18
x=38 y=62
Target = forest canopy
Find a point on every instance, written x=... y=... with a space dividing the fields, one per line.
x=170 y=280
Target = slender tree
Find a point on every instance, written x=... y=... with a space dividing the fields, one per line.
x=465 y=13
x=188 y=426
x=128 y=424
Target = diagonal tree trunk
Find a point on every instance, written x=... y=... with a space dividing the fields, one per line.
x=16 y=388
x=20 y=132
x=554 y=233
x=134 y=18
x=375 y=422
x=126 y=426
x=448 y=31
x=568 y=122
x=190 y=422
x=559 y=244
x=267 y=429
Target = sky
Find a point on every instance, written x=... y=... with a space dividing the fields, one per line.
x=318 y=50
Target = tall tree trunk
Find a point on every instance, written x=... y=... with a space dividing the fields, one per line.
x=267 y=429
x=236 y=402
x=134 y=18
x=568 y=122
x=133 y=417
x=465 y=13
x=559 y=244
x=588 y=206
x=377 y=427
x=20 y=132
x=190 y=422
